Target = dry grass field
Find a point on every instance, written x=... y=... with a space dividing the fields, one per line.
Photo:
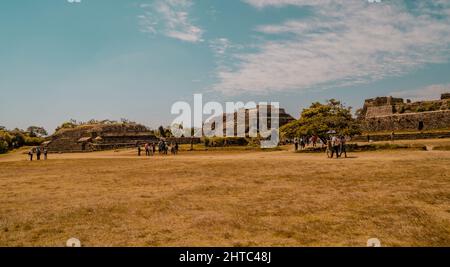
x=226 y=198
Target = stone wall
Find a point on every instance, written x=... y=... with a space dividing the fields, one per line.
x=408 y=121
x=393 y=114
x=402 y=136
x=379 y=111
x=87 y=138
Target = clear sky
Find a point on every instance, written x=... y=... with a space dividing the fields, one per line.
x=133 y=59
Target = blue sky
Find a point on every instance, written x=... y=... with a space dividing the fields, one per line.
x=133 y=59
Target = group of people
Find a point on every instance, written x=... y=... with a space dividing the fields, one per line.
x=305 y=141
x=335 y=145
x=163 y=148
x=38 y=151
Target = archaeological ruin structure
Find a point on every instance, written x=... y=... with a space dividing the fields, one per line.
x=392 y=114
x=230 y=120
x=95 y=137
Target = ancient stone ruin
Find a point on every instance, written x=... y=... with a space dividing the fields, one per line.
x=392 y=114
x=95 y=137
x=231 y=119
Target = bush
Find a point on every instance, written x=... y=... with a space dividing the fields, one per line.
x=226 y=141
x=3 y=146
x=18 y=138
x=206 y=141
x=33 y=141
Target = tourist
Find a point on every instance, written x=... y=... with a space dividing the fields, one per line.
x=45 y=153
x=38 y=153
x=302 y=143
x=139 y=150
x=314 y=140
x=147 y=150
x=335 y=143
x=176 y=147
x=30 y=153
x=296 y=144
x=160 y=147
x=329 y=148
x=153 y=148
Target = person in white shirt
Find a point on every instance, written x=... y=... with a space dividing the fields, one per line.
x=335 y=143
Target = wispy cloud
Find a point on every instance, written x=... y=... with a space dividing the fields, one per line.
x=171 y=18
x=342 y=43
x=428 y=93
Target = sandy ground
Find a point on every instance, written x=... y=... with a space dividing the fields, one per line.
x=226 y=198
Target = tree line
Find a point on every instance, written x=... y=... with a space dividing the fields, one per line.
x=319 y=119
x=12 y=139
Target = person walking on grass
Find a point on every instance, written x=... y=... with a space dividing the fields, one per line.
x=302 y=143
x=30 y=154
x=296 y=144
x=38 y=153
x=335 y=143
x=172 y=149
x=314 y=140
x=147 y=149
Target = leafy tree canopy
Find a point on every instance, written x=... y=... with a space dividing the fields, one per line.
x=36 y=131
x=319 y=119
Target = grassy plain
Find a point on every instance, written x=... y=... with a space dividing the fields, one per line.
x=227 y=198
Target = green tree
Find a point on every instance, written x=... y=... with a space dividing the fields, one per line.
x=18 y=137
x=3 y=146
x=36 y=131
x=319 y=119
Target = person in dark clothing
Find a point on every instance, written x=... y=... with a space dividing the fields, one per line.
x=147 y=149
x=30 y=153
x=38 y=153
x=153 y=148
x=296 y=144
x=302 y=143
x=176 y=147
x=139 y=150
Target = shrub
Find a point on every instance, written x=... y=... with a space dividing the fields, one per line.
x=33 y=141
x=18 y=138
x=206 y=141
x=227 y=141
x=3 y=146
x=5 y=136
